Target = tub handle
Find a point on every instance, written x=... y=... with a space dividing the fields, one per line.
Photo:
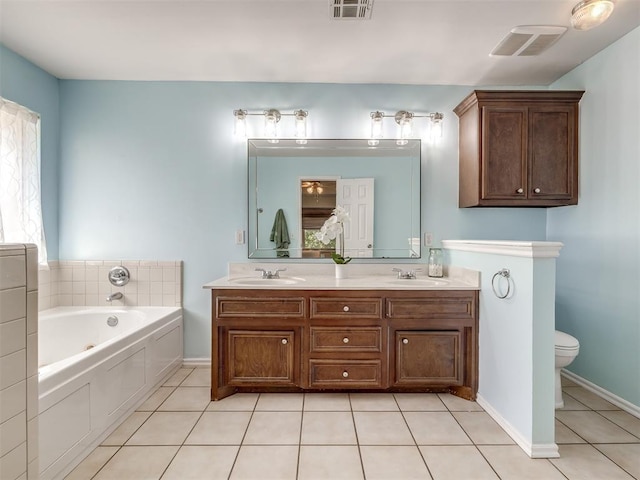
x=119 y=276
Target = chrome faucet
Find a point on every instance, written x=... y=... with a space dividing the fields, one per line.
x=269 y=274
x=114 y=296
x=408 y=275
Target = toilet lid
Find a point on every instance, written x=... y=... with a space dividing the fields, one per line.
x=566 y=341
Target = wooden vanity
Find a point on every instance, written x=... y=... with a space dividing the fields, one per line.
x=293 y=340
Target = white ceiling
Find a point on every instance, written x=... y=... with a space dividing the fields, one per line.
x=405 y=41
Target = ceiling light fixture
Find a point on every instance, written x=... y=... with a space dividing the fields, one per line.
x=404 y=120
x=271 y=119
x=590 y=13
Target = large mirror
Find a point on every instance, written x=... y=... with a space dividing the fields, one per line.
x=294 y=187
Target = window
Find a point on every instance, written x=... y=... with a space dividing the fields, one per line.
x=20 y=205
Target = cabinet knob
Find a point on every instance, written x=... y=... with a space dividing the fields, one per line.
x=520 y=190
x=345 y=374
x=536 y=190
x=405 y=340
x=345 y=340
x=285 y=341
x=345 y=308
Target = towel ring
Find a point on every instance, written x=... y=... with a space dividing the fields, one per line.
x=502 y=273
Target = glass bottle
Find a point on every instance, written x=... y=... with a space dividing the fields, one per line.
x=435 y=262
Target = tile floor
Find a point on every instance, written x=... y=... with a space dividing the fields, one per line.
x=178 y=434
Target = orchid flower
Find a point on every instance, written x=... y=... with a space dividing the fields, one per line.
x=333 y=228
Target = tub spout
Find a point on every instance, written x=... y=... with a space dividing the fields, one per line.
x=114 y=296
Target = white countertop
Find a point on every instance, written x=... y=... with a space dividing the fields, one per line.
x=300 y=276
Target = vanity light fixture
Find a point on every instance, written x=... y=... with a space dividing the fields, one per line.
x=405 y=120
x=272 y=117
x=591 y=13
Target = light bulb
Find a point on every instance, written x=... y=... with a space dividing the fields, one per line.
x=376 y=124
x=240 y=124
x=301 y=125
x=271 y=119
x=319 y=190
x=310 y=189
x=435 y=132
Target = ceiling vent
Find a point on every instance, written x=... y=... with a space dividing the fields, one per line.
x=528 y=40
x=350 y=9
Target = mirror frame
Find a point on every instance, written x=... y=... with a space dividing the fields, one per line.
x=260 y=147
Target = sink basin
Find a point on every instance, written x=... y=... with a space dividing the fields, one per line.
x=425 y=282
x=265 y=282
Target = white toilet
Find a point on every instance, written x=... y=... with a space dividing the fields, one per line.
x=567 y=348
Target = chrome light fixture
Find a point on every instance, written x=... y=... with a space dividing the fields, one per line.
x=591 y=13
x=405 y=119
x=272 y=117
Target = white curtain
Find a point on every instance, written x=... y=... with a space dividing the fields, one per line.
x=20 y=205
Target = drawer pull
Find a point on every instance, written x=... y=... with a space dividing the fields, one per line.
x=405 y=340
x=285 y=341
x=520 y=190
x=345 y=340
x=536 y=190
x=345 y=374
x=345 y=308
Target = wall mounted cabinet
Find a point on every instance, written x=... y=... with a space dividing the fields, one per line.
x=518 y=148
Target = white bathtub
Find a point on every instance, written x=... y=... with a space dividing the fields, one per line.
x=93 y=375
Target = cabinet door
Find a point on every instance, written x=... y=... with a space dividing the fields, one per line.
x=260 y=357
x=504 y=150
x=552 y=152
x=428 y=358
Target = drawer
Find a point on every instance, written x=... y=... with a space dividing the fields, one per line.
x=346 y=307
x=345 y=373
x=272 y=306
x=327 y=339
x=453 y=305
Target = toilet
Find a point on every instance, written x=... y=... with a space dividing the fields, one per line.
x=567 y=348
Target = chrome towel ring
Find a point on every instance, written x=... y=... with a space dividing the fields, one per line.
x=505 y=274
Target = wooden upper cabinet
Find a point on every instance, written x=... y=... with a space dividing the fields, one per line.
x=518 y=148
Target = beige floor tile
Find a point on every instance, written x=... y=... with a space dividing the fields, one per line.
x=165 y=428
x=266 y=462
x=589 y=399
x=200 y=377
x=156 y=399
x=127 y=428
x=202 y=462
x=436 y=428
x=382 y=428
x=565 y=435
x=337 y=402
x=571 y=403
x=393 y=463
x=239 y=402
x=373 y=402
x=420 y=402
x=280 y=402
x=625 y=420
x=457 y=404
x=566 y=382
x=584 y=462
x=511 y=463
x=329 y=462
x=625 y=455
x=457 y=462
x=187 y=399
x=92 y=463
x=593 y=427
x=328 y=428
x=219 y=428
x=274 y=428
x=138 y=463
x=178 y=377
x=482 y=429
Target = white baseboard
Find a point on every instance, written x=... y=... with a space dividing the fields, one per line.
x=534 y=450
x=602 y=393
x=196 y=362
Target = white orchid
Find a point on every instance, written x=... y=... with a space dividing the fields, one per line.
x=332 y=228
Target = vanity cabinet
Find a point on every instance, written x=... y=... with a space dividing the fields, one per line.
x=344 y=340
x=518 y=148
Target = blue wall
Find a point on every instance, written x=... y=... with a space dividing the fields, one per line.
x=24 y=83
x=598 y=276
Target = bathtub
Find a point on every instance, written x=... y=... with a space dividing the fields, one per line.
x=96 y=365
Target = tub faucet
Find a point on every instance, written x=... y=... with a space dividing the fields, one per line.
x=114 y=296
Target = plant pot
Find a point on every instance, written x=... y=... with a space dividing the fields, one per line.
x=342 y=270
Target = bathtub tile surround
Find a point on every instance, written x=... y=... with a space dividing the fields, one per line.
x=18 y=362
x=85 y=283
x=352 y=436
